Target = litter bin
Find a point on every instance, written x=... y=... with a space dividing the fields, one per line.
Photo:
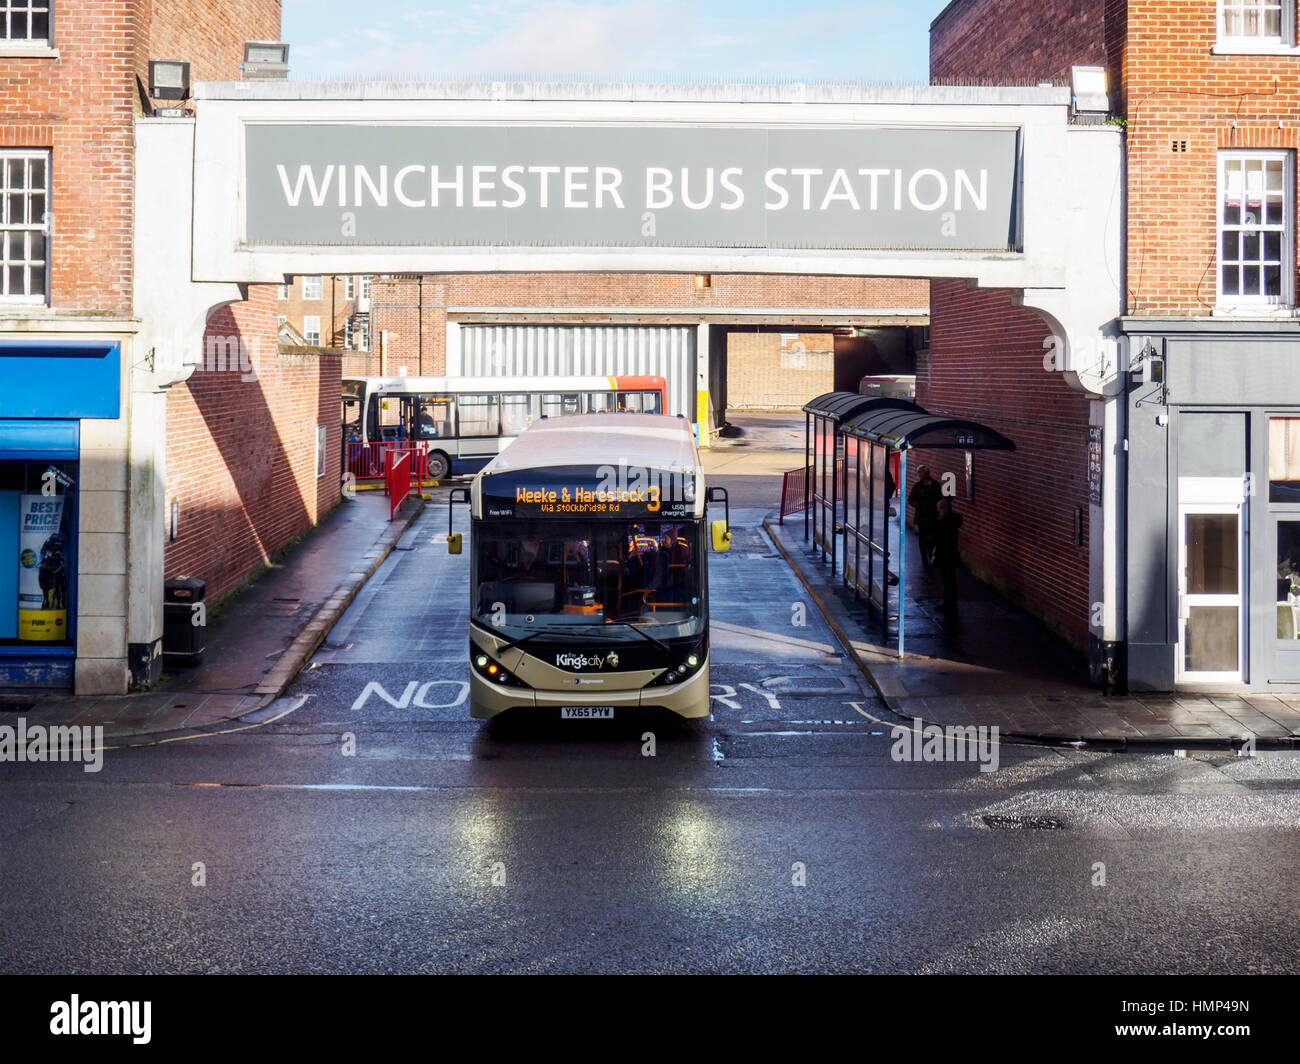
x=183 y=640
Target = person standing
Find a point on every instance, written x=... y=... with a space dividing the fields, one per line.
x=924 y=498
x=946 y=557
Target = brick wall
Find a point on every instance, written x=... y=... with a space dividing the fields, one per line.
x=81 y=105
x=1183 y=104
x=209 y=34
x=778 y=371
x=242 y=454
x=359 y=364
x=986 y=364
x=986 y=356
x=1023 y=41
x=333 y=308
x=1179 y=92
x=413 y=310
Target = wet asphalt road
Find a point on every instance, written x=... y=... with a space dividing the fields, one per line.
x=443 y=845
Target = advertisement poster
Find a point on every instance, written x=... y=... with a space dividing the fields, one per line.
x=42 y=570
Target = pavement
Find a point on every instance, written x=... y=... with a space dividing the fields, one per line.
x=997 y=667
x=256 y=640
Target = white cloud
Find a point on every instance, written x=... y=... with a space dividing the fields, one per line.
x=555 y=38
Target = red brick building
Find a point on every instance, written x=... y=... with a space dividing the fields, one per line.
x=1211 y=551
x=770 y=342
x=83 y=414
x=327 y=311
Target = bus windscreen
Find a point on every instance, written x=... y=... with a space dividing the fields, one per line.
x=540 y=573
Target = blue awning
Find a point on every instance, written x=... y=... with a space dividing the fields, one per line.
x=34 y=440
x=60 y=379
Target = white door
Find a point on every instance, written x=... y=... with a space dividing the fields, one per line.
x=1211 y=596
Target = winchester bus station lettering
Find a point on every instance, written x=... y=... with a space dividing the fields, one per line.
x=624 y=186
x=600 y=187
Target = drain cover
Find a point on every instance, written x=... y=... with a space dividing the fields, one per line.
x=1032 y=823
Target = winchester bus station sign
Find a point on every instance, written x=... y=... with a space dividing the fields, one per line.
x=997 y=186
x=916 y=189
x=986 y=184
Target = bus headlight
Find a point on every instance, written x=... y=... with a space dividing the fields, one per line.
x=687 y=666
x=492 y=671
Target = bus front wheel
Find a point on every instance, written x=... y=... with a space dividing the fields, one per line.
x=439 y=466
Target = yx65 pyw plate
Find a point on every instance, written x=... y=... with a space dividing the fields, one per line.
x=586 y=712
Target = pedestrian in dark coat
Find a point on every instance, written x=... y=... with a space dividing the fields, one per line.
x=924 y=498
x=946 y=556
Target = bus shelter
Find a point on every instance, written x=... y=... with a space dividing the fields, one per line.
x=872 y=439
x=824 y=461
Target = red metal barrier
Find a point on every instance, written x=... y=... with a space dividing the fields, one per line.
x=397 y=481
x=792 y=492
x=368 y=460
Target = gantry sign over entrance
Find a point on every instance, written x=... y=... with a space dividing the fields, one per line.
x=992 y=185
x=762 y=187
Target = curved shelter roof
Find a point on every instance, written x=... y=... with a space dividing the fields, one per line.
x=841 y=406
x=915 y=427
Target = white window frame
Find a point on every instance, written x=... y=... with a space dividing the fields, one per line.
x=313 y=282
x=284 y=291
x=1258 y=44
x=1285 y=299
x=349 y=287
x=308 y=331
x=26 y=228
x=28 y=43
x=1225 y=496
x=363 y=336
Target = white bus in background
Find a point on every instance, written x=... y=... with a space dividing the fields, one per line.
x=454 y=426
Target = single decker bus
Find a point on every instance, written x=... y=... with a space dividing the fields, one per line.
x=454 y=426
x=589 y=570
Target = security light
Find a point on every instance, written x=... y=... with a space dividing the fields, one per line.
x=1090 y=90
x=265 y=59
x=169 y=79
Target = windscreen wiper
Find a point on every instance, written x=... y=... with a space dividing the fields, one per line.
x=520 y=641
x=644 y=635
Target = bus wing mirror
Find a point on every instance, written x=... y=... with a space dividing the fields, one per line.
x=456 y=495
x=720 y=529
x=721 y=535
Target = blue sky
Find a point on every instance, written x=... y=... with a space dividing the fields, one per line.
x=766 y=40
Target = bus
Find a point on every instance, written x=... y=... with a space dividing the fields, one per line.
x=456 y=425
x=589 y=570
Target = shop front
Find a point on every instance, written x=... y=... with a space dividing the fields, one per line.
x=48 y=389
x=1213 y=530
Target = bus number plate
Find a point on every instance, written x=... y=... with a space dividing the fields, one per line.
x=586 y=712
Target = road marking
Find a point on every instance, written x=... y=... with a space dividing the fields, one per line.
x=907 y=726
x=297 y=705
x=790 y=640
